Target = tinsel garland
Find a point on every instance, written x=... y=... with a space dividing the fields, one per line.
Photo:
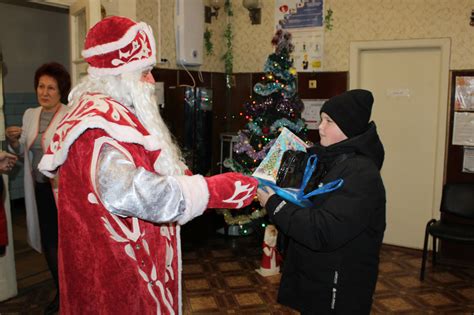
x=285 y=106
x=287 y=123
x=254 y=108
x=243 y=146
x=275 y=68
x=270 y=88
x=283 y=122
x=254 y=128
x=242 y=218
x=289 y=107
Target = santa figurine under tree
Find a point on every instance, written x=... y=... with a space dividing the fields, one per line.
x=271 y=258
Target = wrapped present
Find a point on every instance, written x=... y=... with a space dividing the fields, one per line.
x=268 y=168
x=297 y=195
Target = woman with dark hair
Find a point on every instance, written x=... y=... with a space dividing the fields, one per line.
x=52 y=83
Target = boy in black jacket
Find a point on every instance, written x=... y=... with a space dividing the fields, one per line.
x=331 y=262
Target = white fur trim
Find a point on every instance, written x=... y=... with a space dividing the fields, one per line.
x=196 y=195
x=128 y=67
x=44 y=165
x=49 y=163
x=120 y=43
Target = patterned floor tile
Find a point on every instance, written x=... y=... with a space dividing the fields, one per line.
x=381 y=287
x=389 y=267
x=190 y=255
x=196 y=284
x=229 y=266
x=414 y=262
x=468 y=293
x=193 y=269
x=275 y=280
x=202 y=303
x=238 y=281
x=221 y=253
x=219 y=278
x=246 y=299
x=397 y=304
x=445 y=277
x=436 y=299
x=411 y=281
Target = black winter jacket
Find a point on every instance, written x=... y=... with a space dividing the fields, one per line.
x=331 y=263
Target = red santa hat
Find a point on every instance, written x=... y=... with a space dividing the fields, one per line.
x=118 y=45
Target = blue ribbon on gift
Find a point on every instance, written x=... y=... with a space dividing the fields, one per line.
x=297 y=195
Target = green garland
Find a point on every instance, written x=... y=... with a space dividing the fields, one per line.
x=229 y=36
x=328 y=19
x=208 y=43
x=241 y=219
x=228 y=8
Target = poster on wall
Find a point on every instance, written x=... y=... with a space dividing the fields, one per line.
x=463 y=128
x=464 y=95
x=304 y=20
x=310 y=114
x=468 y=160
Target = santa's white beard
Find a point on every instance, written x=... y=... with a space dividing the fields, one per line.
x=139 y=96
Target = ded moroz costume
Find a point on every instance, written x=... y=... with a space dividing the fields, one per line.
x=123 y=190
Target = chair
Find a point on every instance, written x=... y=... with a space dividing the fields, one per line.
x=457 y=200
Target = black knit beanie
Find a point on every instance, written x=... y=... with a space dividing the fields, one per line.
x=350 y=111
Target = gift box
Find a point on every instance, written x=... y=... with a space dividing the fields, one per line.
x=268 y=168
x=297 y=195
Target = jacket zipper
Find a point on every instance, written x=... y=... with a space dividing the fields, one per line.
x=334 y=290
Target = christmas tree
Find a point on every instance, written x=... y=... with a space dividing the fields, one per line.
x=274 y=105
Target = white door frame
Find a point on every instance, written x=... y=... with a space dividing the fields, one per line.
x=90 y=10
x=443 y=44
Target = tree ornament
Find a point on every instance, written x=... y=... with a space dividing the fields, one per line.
x=282 y=40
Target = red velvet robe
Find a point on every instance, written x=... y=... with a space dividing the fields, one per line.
x=109 y=264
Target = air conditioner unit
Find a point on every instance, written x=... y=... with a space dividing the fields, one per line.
x=189 y=32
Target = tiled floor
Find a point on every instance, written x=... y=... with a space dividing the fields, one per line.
x=219 y=278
